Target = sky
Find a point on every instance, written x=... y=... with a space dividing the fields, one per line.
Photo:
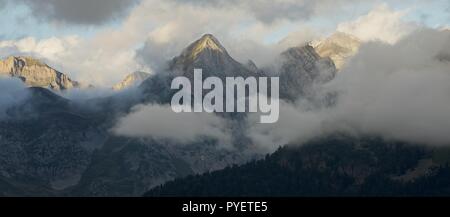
x=100 y=41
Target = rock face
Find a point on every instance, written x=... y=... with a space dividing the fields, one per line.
x=208 y=54
x=131 y=80
x=35 y=73
x=339 y=47
x=301 y=69
x=205 y=53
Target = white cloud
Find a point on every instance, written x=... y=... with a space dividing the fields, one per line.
x=398 y=91
x=155 y=31
x=161 y=123
x=382 y=23
x=11 y=93
x=295 y=124
x=51 y=48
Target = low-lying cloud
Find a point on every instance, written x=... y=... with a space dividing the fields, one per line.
x=382 y=24
x=12 y=92
x=161 y=123
x=295 y=124
x=399 y=91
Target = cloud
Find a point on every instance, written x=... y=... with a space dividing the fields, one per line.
x=269 y=11
x=101 y=60
x=50 y=49
x=2 y=4
x=243 y=34
x=11 y=93
x=399 y=91
x=155 y=31
x=161 y=123
x=295 y=124
x=382 y=23
x=84 y=12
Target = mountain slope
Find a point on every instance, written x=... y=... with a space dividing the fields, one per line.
x=131 y=166
x=339 y=47
x=35 y=73
x=205 y=53
x=301 y=69
x=47 y=143
x=332 y=166
x=133 y=79
x=208 y=54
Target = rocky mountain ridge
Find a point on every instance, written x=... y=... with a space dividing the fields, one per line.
x=35 y=73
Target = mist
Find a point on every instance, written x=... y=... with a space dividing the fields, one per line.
x=12 y=92
x=159 y=122
x=397 y=91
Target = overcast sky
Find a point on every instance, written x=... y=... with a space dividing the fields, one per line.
x=89 y=39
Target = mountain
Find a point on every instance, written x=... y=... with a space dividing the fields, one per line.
x=35 y=73
x=339 y=47
x=301 y=70
x=131 y=166
x=47 y=144
x=336 y=165
x=133 y=79
x=208 y=54
x=39 y=101
x=52 y=146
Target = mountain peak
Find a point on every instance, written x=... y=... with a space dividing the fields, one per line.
x=132 y=79
x=35 y=73
x=339 y=47
x=25 y=60
x=208 y=54
x=206 y=43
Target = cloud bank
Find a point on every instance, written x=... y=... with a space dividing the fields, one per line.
x=161 y=123
x=398 y=91
x=382 y=23
x=11 y=93
x=154 y=31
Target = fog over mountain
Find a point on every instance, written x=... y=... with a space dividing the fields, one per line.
x=131 y=80
x=397 y=91
x=11 y=92
x=362 y=82
x=150 y=34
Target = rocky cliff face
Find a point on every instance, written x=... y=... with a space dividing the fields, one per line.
x=205 y=53
x=339 y=47
x=35 y=73
x=133 y=79
x=208 y=54
x=301 y=69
